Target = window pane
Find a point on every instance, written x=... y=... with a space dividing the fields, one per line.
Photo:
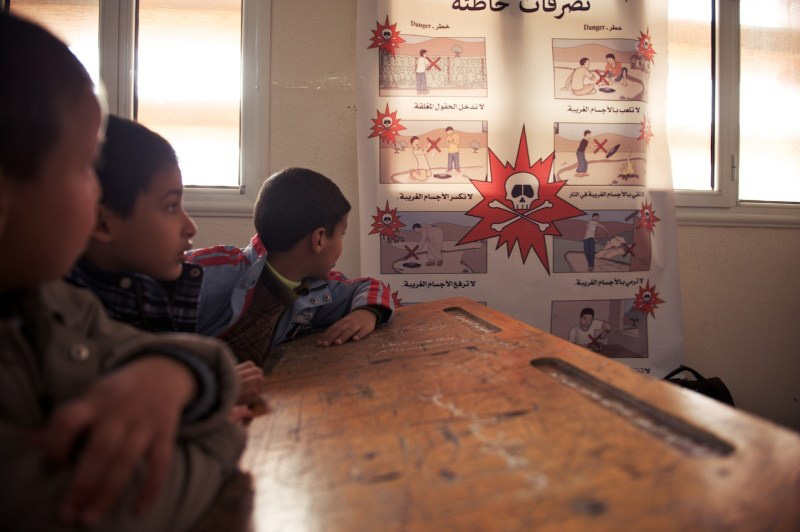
x=189 y=83
x=75 y=22
x=689 y=94
x=769 y=132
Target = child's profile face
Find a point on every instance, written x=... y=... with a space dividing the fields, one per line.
x=52 y=215
x=586 y=321
x=332 y=250
x=153 y=239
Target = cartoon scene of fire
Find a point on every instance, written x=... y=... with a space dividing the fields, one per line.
x=603 y=69
x=434 y=66
x=602 y=241
x=601 y=154
x=435 y=153
x=426 y=242
x=611 y=327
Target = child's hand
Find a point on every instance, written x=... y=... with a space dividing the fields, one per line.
x=251 y=383
x=356 y=325
x=126 y=418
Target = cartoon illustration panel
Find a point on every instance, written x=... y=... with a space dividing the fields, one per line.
x=436 y=153
x=426 y=242
x=601 y=154
x=611 y=327
x=602 y=241
x=434 y=66
x=602 y=69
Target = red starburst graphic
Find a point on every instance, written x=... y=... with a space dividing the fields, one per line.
x=647 y=300
x=386 y=126
x=519 y=206
x=645 y=46
x=646 y=130
x=386 y=223
x=647 y=217
x=386 y=37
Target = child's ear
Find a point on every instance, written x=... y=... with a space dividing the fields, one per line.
x=318 y=238
x=103 y=228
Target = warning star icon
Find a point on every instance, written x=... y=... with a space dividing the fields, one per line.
x=386 y=126
x=519 y=205
x=647 y=218
x=647 y=300
x=386 y=37
x=386 y=223
x=645 y=46
x=646 y=130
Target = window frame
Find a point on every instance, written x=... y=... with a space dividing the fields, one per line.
x=117 y=71
x=723 y=206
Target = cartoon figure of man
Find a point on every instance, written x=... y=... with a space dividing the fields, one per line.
x=589 y=332
x=452 y=140
x=588 y=239
x=423 y=171
x=617 y=71
x=422 y=65
x=433 y=237
x=581 y=81
x=583 y=164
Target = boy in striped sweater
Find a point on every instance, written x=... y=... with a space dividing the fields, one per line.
x=281 y=285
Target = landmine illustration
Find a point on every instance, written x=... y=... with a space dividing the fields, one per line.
x=436 y=153
x=602 y=69
x=601 y=154
x=602 y=241
x=427 y=244
x=434 y=66
x=611 y=327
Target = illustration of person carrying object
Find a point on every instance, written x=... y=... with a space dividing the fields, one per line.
x=423 y=171
x=433 y=237
x=589 y=332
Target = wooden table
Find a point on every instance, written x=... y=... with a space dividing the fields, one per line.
x=458 y=417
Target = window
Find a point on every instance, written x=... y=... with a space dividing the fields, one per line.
x=186 y=69
x=732 y=86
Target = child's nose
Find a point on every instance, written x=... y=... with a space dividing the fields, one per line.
x=189 y=227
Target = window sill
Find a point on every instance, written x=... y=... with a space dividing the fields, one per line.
x=229 y=202
x=743 y=215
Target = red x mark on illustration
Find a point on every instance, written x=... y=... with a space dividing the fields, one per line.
x=411 y=252
x=434 y=144
x=601 y=79
x=595 y=341
x=629 y=249
x=432 y=64
x=600 y=146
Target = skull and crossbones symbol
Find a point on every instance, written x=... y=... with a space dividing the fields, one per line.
x=522 y=189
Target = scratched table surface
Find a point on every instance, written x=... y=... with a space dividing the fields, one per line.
x=458 y=417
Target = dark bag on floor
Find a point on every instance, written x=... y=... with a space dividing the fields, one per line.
x=712 y=387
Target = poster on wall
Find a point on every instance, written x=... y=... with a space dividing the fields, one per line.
x=515 y=153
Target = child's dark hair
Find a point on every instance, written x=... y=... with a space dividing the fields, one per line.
x=587 y=132
x=294 y=202
x=583 y=61
x=40 y=80
x=422 y=52
x=611 y=56
x=587 y=310
x=131 y=156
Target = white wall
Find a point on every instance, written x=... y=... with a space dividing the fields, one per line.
x=740 y=286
